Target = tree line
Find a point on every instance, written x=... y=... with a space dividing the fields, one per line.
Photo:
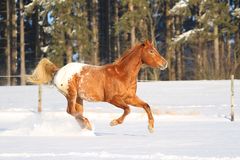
x=199 y=38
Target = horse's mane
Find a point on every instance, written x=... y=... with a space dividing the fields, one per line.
x=127 y=53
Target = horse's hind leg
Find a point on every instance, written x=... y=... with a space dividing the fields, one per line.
x=83 y=121
x=75 y=107
x=118 y=102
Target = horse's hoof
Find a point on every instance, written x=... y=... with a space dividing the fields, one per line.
x=80 y=122
x=114 y=122
x=84 y=123
x=89 y=127
x=150 y=129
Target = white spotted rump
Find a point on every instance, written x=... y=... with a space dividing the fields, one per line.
x=65 y=74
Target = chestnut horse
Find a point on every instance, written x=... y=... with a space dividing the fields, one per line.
x=114 y=83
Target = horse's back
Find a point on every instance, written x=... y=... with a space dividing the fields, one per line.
x=65 y=74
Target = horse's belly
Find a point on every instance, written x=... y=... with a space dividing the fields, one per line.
x=89 y=96
x=90 y=89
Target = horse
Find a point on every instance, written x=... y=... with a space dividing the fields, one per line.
x=115 y=83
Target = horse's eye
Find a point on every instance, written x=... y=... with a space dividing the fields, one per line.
x=151 y=51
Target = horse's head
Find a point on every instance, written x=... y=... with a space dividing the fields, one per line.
x=151 y=56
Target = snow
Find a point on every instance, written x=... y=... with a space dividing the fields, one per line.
x=62 y=1
x=187 y=35
x=48 y=29
x=45 y=49
x=30 y=7
x=179 y=8
x=236 y=12
x=191 y=123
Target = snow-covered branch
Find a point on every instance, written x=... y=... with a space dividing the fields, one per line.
x=180 y=8
x=48 y=29
x=44 y=49
x=28 y=9
x=236 y=12
x=187 y=35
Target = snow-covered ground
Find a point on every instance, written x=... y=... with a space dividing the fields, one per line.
x=191 y=123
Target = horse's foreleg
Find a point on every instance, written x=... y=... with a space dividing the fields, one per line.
x=118 y=102
x=83 y=121
x=135 y=101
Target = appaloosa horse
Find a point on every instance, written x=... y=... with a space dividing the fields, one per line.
x=114 y=83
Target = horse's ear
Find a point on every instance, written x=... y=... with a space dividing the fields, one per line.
x=143 y=44
x=150 y=42
x=146 y=43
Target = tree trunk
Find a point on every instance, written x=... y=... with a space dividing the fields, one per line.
x=37 y=35
x=132 y=32
x=8 y=48
x=14 y=61
x=69 y=48
x=216 y=52
x=229 y=66
x=236 y=54
x=199 y=60
x=133 y=36
x=104 y=48
x=95 y=33
x=92 y=10
x=169 y=51
x=178 y=50
x=112 y=18
x=156 y=74
x=205 y=63
x=168 y=39
x=152 y=26
x=182 y=63
x=223 y=62
x=200 y=55
x=22 y=44
x=69 y=52
x=179 y=63
x=118 y=52
x=236 y=60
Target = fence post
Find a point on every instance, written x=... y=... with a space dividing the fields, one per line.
x=232 y=97
x=39 y=98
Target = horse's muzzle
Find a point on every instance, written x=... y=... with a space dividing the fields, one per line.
x=164 y=66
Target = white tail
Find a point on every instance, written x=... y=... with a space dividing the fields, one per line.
x=44 y=72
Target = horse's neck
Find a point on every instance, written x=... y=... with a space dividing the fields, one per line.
x=131 y=64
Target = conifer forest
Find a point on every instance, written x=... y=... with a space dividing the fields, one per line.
x=198 y=38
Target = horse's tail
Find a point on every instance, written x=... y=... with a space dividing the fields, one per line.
x=44 y=72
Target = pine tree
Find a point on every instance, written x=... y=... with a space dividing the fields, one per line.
x=92 y=6
x=213 y=26
x=67 y=27
x=139 y=21
x=134 y=13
